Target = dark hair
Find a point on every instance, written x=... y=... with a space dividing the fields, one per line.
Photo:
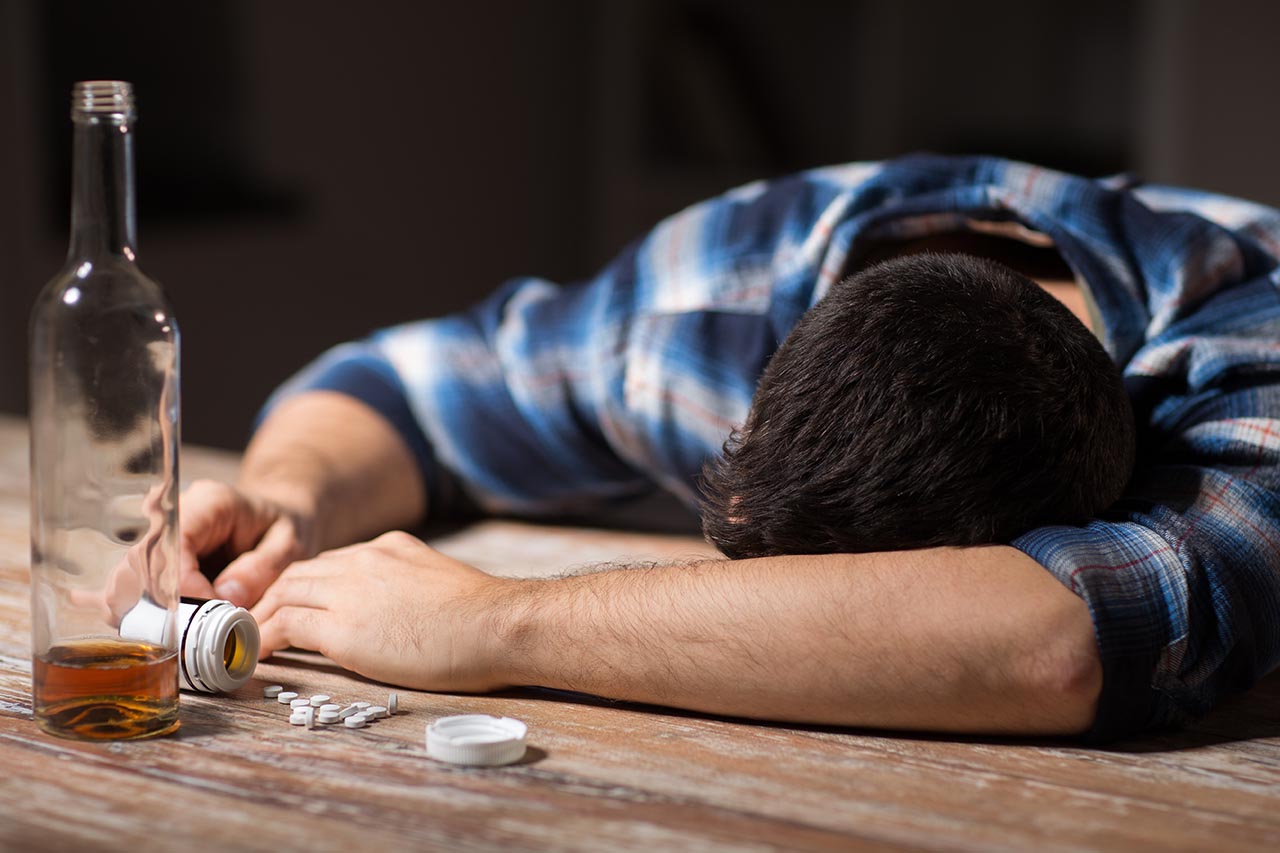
x=928 y=400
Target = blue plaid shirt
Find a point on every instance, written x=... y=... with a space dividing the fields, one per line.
x=548 y=399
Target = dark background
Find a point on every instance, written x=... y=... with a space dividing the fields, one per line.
x=309 y=171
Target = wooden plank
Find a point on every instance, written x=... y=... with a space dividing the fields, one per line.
x=600 y=775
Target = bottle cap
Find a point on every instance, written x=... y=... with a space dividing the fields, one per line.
x=478 y=740
x=219 y=648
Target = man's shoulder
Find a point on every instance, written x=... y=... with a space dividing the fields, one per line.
x=1234 y=214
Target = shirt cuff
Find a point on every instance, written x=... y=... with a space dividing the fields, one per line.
x=1108 y=574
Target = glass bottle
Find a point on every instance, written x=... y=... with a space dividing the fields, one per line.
x=104 y=455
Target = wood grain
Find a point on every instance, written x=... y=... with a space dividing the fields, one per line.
x=600 y=775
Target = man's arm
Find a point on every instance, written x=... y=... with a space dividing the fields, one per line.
x=323 y=470
x=964 y=640
x=344 y=457
x=949 y=639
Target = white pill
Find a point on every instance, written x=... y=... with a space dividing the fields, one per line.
x=286 y=697
x=355 y=721
x=376 y=712
x=348 y=711
x=273 y=691
x=318 y=700
x=361 y=705
x=309 y=717
x=297 y=719
x=300 y=703
x=329 y=719
x=392 y=704
x=330 y=707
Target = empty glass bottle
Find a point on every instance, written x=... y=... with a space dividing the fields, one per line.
x=104 y=455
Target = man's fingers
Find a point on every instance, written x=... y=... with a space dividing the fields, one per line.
x=304 y=584
x=247 y=577
x=300 y=627
x=208 y=515
x=194 y=584
x=124 y=586
x=93 y=599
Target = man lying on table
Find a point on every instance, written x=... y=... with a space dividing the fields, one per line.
x=928 y=505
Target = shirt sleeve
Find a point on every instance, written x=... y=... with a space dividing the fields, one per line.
x=1182 y=576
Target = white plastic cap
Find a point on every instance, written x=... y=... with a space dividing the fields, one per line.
x=477 y=740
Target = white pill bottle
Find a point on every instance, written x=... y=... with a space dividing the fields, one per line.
x=218 y=642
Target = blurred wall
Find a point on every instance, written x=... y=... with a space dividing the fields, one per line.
x=309 y=171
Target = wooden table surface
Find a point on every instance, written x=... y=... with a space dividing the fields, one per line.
x=599 y=775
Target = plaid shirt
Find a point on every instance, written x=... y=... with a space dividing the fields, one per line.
x=546 y=399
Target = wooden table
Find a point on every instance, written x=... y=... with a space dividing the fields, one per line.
x=599 y=775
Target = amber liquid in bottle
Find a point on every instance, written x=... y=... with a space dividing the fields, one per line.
x=106 y=690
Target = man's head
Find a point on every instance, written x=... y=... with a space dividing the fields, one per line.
x=928 y=400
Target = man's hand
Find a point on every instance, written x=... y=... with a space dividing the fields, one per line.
x=260 y=534
x=394 y=610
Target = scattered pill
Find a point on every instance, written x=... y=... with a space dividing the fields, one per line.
x=308 y=711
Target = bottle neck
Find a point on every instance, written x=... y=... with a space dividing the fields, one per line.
x=102 y=202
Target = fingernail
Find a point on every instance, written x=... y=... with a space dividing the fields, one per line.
x=232 y=591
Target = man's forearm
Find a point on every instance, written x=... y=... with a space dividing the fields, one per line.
x=969 y=640
x=335 y=457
